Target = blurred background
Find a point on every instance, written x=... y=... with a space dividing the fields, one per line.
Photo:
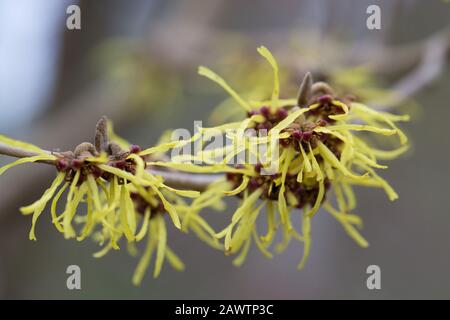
x=136 y=62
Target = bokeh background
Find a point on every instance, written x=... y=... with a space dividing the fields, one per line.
x=135 y=61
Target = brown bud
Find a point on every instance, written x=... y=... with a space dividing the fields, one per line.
x=85 y=149
x=321 y=88
x=304 y=92
x=115 y=150
x=101 y=134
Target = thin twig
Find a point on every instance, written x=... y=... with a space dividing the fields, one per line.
x=174 y=179
x=185 y=180
x=434 y=59
x=15 y=152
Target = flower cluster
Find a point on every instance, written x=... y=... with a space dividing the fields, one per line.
x=324 y=145
x=110 y=196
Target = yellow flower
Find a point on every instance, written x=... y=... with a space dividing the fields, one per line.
x=151 y=208
x=36 y=155
x=127 y=208
x=323 y=144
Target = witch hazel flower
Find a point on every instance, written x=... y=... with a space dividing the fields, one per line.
x=109 y=195
x=323 y=147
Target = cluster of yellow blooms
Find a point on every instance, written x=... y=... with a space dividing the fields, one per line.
x=120 y=200
x=323 y=145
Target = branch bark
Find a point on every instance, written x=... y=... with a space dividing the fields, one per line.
x=436 y=52
x=174 y=179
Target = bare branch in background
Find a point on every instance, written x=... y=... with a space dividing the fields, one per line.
x=436 y=52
